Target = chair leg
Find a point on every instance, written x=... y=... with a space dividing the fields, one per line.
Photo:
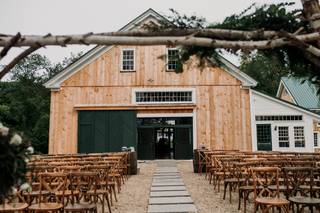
x=239 y=200
x=225 y=190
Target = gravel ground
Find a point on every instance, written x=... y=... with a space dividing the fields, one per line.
x=206 y=199
x=134 y=195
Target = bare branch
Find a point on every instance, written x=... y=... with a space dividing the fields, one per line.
x=62 y=40
x=16 y=60
x=10 y=44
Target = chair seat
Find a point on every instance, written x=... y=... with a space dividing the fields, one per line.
x=99 y=191
x=246 y=188
x=13 y=207
x=45 y=206
x=234 y=180
x=66 y=193
x=305 y=200
x=282 y=188
x=80 y=206
x=272 y=201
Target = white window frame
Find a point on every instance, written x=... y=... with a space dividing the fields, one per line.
x=192 y=90
x=167 y=58
x=134 y=59
x=288 y=129
x=295 y=139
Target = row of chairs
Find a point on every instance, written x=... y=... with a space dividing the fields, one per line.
x=274 y=179
x=70 y=183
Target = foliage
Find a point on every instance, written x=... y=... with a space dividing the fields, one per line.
x=14 y=154
x=267 y=70
x=276 y=17
x=25 y=102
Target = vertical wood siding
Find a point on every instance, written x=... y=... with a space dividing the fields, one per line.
x=222 y=106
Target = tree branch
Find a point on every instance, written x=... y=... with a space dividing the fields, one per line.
x=10 y=44
x=16 y=60
x=99 y=39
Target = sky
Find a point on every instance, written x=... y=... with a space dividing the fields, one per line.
x=83 y=16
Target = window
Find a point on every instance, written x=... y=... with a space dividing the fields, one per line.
x=315 y=139
x=127 y=60
x=279 y=118
x=172 y=59
x=177 y=96
x=299 y=136
x=283 y=133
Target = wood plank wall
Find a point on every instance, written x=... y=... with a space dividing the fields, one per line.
x=222 y=106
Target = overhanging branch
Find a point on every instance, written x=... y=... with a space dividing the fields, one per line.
x=16 y=60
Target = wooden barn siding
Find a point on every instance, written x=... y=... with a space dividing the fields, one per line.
x=222 y=109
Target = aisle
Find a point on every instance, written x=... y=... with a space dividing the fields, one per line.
x=168 y=192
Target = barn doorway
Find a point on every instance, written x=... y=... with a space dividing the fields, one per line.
x=165 y=138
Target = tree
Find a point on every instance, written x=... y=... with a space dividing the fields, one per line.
x=25 y=102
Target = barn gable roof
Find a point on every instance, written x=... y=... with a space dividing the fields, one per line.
x=55 y=82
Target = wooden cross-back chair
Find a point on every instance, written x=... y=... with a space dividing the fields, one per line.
x=14 y=202
x=53 y=183
x=105 y=186
x=80 y=184
x=264 y=197
x=246 y=187
x=300 y=183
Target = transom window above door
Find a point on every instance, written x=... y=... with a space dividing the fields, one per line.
x=128 y=60
x=163 y=96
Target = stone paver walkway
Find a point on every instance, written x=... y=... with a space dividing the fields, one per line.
x=168 y=192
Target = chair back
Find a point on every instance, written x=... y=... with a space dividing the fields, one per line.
x=296 y=178
x=263 y=178
x=53 y=182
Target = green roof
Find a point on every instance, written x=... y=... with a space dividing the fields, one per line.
x=303 y=92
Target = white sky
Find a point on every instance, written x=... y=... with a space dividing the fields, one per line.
x=82 y=16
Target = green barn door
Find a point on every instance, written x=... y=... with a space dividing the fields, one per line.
x=106 y=131
x=147 y=138
x=183 y=143
x=264 y=139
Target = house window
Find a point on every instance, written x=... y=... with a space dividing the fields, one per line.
x=127 y=60
x=299 y=140
x=279 y=118
x=315 y=139
x=177 y=96
x=283 y=133
x=172 y=59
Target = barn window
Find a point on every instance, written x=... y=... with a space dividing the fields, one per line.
x=283 y=133
x=127 y=60
x=315 y=139
x=163 y=96
x=279 y=118
x=299 y=140
x=172 y=59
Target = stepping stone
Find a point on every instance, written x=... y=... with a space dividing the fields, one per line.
x=167 y=181
x=169 y=194
x=168 y=188
x=170 y=200
x=171 y=208
x=167 y=184
x=166 y=174
x=167 y=177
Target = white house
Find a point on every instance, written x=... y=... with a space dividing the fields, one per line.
x=279 y=125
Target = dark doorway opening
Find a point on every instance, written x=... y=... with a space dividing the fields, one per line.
x=165 y=138
x=164 y=147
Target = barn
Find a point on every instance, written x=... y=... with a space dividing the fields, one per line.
x=130 y=96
